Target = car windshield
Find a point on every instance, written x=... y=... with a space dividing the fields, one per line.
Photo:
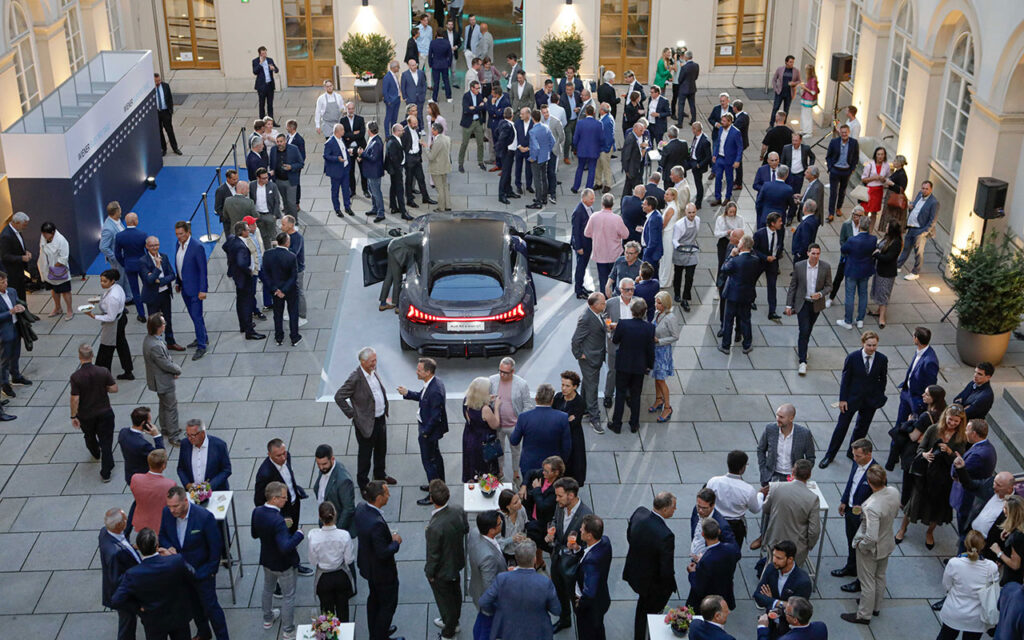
x=466 y=241
x=466 y=287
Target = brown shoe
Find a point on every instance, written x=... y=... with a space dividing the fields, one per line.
x=567 y=161
x=756 y=544
x=175 y=347
x=385 y=307
x=390 y=480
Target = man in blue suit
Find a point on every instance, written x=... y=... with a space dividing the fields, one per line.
x=192 y=532
x=979 y=462
x=157 y=589
x=592 y=579
x=767 y=172
x=977 y=396
x=727 y=152
x=439 y=59
x=240 y=272
x=414 y=87
x=651 y=238
x=632 y=210
x=842 y=157
x=336 y=167
x=376 y=559
x=921 y=215
x=806 y=232
x=659 y=110
x=634 y=357
x=742 y=270
x=545 y=430
x=278 y=555
x=769 y=247
x=714 y=611
x=860 y=266
x=923 y=371
x=116 y=557
x=372 y=160
x=711 y=573
x=112 y=225
x=432 y=418
x=704 y=509
x=282 y=272
x=798 y=616
x=773 y=197
x=586 y=139
x=857 y=490
x=191 y=281
x=129 y=246
x=390 y=89
x=782 y=580
x=1011 y=612
x=157 y=274
x=861 y=391
x=212 y=465
x=581 y=244
x=521 y=601
x=134 y=446
x=264 y=69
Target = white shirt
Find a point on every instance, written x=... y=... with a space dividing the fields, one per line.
x=113 y=303
x=179 y=257
x=784 y=453
x=725 y=224
x=797 y=166
x=415 y=142
x=693 y=149
x=287 y=477
x=624 y=311
x=521 y=88
x=415 y=76
x=734 y=496
x=917 y=358
x=783 y=579
x=434 y=512
x=261 y=199
x=721 y=141
x=121 y=540
x=266 y=69
x=567 y=516
x=199 y=455
x=324 y=479
x=321 y=105
x=586 y=550
x=652 y=109
x=865 y=357
x=512 y=145
x=812 y=279
x=425 y=385
x=6 y=295
x=182 y=526
x=331 y=548
x=854 y=130
x=344 y=153
x=912 y=217
x=377 y=391
x=857 y=475
x=558 y=111
x=988 y=515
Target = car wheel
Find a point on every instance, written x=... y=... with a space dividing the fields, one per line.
x=528 y=344
x=405 y=345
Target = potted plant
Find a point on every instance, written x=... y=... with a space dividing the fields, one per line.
x=368 y=55
x=489 y=485
x=679 y=620
x=557 y=51
x=988 y=280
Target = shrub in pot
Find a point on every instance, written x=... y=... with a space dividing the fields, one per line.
x=558 y=51
x=368 y=55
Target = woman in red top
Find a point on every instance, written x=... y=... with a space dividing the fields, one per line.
x=875 y=177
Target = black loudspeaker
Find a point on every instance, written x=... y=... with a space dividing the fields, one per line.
x=990 y=198
x=842 y=67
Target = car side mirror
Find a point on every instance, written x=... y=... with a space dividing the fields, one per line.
x=395 y=232
x=537 y=231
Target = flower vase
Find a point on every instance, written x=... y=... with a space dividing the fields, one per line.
x=488 y=494
x=679 y=633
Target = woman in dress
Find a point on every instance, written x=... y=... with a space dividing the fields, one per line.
x=488 y=77
x=666 y=69
x=538 y=495
x=895 y=205
x=728 y=220
x=54 y=255
x=808 y=98
x=513 y=522
x=929 y=501
x=685 y=253
x=569 y=401
x=964 y=579
x=906 y=439
x=874 y=177
x=666 y=332
x=482 y=423
x=1010 y=550
x=632 y=112
x=669 y=216
x=332 y=552
x=886 y=255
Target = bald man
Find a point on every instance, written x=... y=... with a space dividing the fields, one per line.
x=129 y=246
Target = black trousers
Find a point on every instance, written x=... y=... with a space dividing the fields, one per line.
x=805 y=318
x=589 y=623
x=771 y=279
x=650 y=602
x=243 y=307
x=414 y=176
x=860 y=430
x=565 y=589
x=125 y=625
x=949 y=633
x=105 y=355
x=98 y=432
x=738 y=175
x=166 y=126
x=334 y=590
x=180 y=633
x=739 y=529
x=852 y=523
x=380 y=609
x=266 y=102
x=448 y=596
x=582 y=260
x=738 y=312
x=838 y=279
x=688 y=283
x=352 y=178
x=505 y=182
x=631 y=384
x=291 y=298
x=292 y=510
x=396 y=192
x=690 y=98
x=376 y=446
x=698 y=183
x=723 y=245
x=836 y=191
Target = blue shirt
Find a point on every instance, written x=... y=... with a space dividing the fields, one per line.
x=266 y=70
x=844 y=148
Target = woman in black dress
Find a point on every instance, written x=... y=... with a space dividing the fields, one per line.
x=538 y=495
x=570 y=402
x=1010 y=549
x=895 y=208
x=632 y=112
x=481 y=424
x=906 y=436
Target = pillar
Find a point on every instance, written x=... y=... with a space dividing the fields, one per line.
x=831 y=38
x=10 y=100
x=52 y=53
x=869 y=83
x=95 y=27
x=920 y=115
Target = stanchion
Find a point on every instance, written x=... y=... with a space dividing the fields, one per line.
x=210 y=236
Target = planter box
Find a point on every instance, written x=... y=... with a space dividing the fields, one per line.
x=368 y=90
x=975 y=347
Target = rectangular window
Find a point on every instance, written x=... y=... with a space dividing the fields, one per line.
x=623 y=42
x=73 y=35
x=813 y=24
x=739 y=32
x=114 y=22
x=853 y=24
x=192 y=34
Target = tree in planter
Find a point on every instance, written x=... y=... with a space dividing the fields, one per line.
x=367 y=53
x=988 y=280
x=557 y=51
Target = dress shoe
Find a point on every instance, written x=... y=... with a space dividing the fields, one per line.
x=195 y=343
x=141 y=319
x=424 y=501
x=937 y=606
x=385 y=307
x=424 y=487
x=574 y=190
x=366 y=194
x=756 y=544
x=304 y=570
x=405 y=216
x=686 y=305
x=535 y=205
x=255 y=336
x=127 y=375
x=259 y=315
x=753 y=306
x=8 y=391
x=608 y=400
x=774 y=317
x=852 y=617
x=177 y=152
x=514 y=195
x=504 y=200
x=614 y=429
x=21 y=381
x=519 y=190
x=4 y=402
x=560 y=625
x=580 y=295
x=390 y=480
x=175 y=347
x=827 y=460
x=747 y=350
x=721 y=333
x=339 y=214
x=852 y=587
x=412 y=204
x=296 y=342
x=429 y=201
x=349 y=211
x=198 y=354
x=395 y=210
x=392 y=630
x=378 y=219
x=6 y=417
x=842 y=572
x=483 y=167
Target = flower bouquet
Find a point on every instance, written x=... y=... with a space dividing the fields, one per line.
x=489 y=484
x=366 y=76
x=679 y=620
x=200 y=492
x=326 y=627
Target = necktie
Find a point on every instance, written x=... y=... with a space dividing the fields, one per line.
x=469 y=38
x=867 y=364
x=773 y=175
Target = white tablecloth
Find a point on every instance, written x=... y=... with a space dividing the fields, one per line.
x=305 y=631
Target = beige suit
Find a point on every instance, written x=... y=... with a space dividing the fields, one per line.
x=439 y=165
x=793 y=514
x=161 y=372
x=874 y=543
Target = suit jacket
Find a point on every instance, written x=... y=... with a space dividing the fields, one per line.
x=433 y=416
x=688 y=75
x=333 y=167
x=349 y=135
x=702 y=150
x=806 y=156
x=157 y=590
x=129 y=246
x=814 y=191
x=743 y=270
x=372 y=160
x=394 y=157
x=237 y=207
x=168 y=97
x=587 y=138
x=650 y=561
x=926 y=218
x=277 y=546
x=803 y=448
x=797 y=584
x=355 y=399
x=115 y=560
x=652 y=238
x=704 y=630
x=292 y=157
x=813 y=631
x=261 y=84
x=563 y=558
x=761 y=249
x=268 y=473
x=763 y=176
x=300 y=144
x=859 y=251
x=727 y=535
x=439 y=54
x=654 y=190
x=546 y=433
x=860 y=388
x=635 y=353
x=675 y=153
x=976 y=401
x=733 y=146
x=504 y=135
x=578 y=240
x=632 y=211
x=202 y=545
x=150 y=493
x=376 y=551
x=918 y=379
x=520 y=603
x=486 y=561
x=576 y=83
x=218 y=464
x=878 y=513
x=414 y=92
x=589 y=338
x=281 y=269
x=792 y=512
x=8 y=321
x=135 y=448
x=632 y=158
x=446 y=538
x=389 y=90
x=11 y=252
x=341 y=493
x=660 y=124
x=439 y=156
x=222 y=193
x=852 y=155
x=496 y=109
x=528 y=95
x=715 y=118
x=592 y=577
x=979 y=464
x=254 y=162
x=239 y=262
x=714 y=574
x=192 y=278
x=853 y=496
x=468 y=110
x=742 y=122
x=805 y=234
x=108 y=233
x=1011 y=612
x=774 y=197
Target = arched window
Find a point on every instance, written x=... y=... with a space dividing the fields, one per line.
x=899 y=63
x=73 y=34
x=22 y=42
x=813 y=23
x=853 y=25
x=956 y=104
x=114 y=22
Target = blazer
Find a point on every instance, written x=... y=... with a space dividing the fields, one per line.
x=727 y=534
x=853 y=496
x=652 y=189
x=777 y=82
x=372 y=160
x=11 y=252
x=237 y=207
x=589 y=338
x=632 y=212
x=281 y=270
x=115 y=560
x=355 y=399
x=1011 y=612
x=704 y=630
x=239 y=262
x=414 y=92
x=814 y=191
x=394 y=157
x=135 y=448
x=926 y=218
x=660 y=124
x=578 y=240
x=587 y=138
x=852 y=155
x=714 y=574
x=389 y=91
x=108 y=233
x=192 y=278
x=700 y=154
x=635 y=353
x=300 y=144
x=202 y=545
x=468 y=110
x=161 y=371
x=675 y=153
x=529 y=95
x=861 y=388
x=376 y=551
x=297 y=245
x=504 y=135
x=859 y=251
x=979 y=462
x=341 y=493
x=918 y=379
x=546 y=433
x=813 y=631
x=486 y=561
x=715 y=119
x=261 y=84
x=253 y=163
x=9 y=331
x=652 y=239
x=797 y=584
x=291 y=157
x=805 y=234
x=218 y=464
x=278 y=548
x=774 y=197
x=792 y=512
x=268 y=473
x=688 y=75
x=650 y=561
x=222 y=193
x=592 y=577
x=733 y=141
x=976 y=401
x=129 y=246
x=743 y=270
x=439 y=54
x=496 y=109
x=433 y=416
x=763 y=176
x=761 y=248
x=806 y=157
x=158 y=590
x=439 y=156
x=349 y=131
x=632 y=157
x=878 y=513
x=521 y=603
x=168 y=97
x=333 y=167
x=446 y=536
x=803 y=448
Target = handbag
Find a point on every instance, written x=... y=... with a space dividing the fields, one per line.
x=860 y=193
x=896 y=201
x=492 y=449
x=919 y=467
x=57 y=272
x=989 y=596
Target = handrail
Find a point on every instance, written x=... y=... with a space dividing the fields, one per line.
x=210 y=236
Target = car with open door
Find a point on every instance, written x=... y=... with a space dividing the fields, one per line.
x=470 y=290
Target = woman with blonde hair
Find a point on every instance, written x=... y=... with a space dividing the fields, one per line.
x=808 y=98
x=726 y=221
x=965 y=578
x=669 y=216
x=480 y=409
x=666 y=333
x=1010 y=554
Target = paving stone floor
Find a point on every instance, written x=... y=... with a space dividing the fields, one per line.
x=52 y=501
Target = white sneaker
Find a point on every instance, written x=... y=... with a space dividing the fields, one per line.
x=289 y=635
x=860 y=324
x=303 y=322
x=844 y=324
x=276 y=613
x=911 y=276
x=802 y=369
x=439 y=623
x=828 y=303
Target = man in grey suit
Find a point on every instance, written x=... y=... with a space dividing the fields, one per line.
x=161 y=373
x=402 y=252
x=589 y=347
x=874 y=543
x=807 y=302
x=334 y=485
x=565 y=552
x=362 y=399
x=486 y=560
x=446 y=556
x=799 y=445
x=813 y=190
x=792 y=512
x=223 y=192
x=267 y=199
x=617 y=308
x=238 y=206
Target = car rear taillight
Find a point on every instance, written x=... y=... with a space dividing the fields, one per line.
x=515 y=314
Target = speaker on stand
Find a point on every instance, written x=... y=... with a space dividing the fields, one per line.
x=840 y=70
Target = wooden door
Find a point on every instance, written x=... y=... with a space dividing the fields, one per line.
x=309 y=41
x=739 y=32
x=624 y=37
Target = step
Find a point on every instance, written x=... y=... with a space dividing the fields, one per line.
x=1007 y=421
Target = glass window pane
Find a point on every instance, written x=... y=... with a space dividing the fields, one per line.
x=204 y=9
x=323 y=27
x=610 y=46
x=323 y=48
x=611 y=25
x=296 y=49
x=294 y=27
x=207 y=51
x=639 y=6
x=321 y=7
x=948 y=119
x=636 y=47
x=637 y=25
x=611 y=6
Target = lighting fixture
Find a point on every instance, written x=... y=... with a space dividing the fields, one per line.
x=934 y=289
x=151 y=182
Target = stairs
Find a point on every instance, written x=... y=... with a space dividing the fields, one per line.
x=1007 y=421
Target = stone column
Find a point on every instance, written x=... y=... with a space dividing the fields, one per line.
x=52 y=53
x=920 y=116
x=95 y=27
x=869 y=83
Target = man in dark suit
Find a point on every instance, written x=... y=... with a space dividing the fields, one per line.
x=798 y=614
x=806 y=232
x=588 y=347
x=295 y=139
x=129 y=246
x=814 y=190
x=545 y=430
x=391 y=96
x=15 y=254
x=743 y=270
x=652 y=240
x=474 y=116
x=278 y=552
x=634 y=357
x=339 y=167
x=774 y=197
x=134 y=445
x=285 y=166
x=117 y=556
x=223 y=192
x=157 y=274
x=979 y=462
x=712 y=571
x=808 y=289
x=1011 y=612
x=861 y=391
x=580 y=243
x=371 y=164
x=504 y=137
x=769 y=247
x=922 y=372
x=334 y=485
x=631 y=209
x=414 y=87
x=650 y=561
x=606 y=94
x=191 y=281
x=565 y=557
x=781 y=580
x=240 y=272
x=277 y=467
x=699 y=160
x=652 y=189
x=354 y=137
x=859 y=252
x=412 y=144
x=10 y=353
x=256 y=159
x=634 y=153
x=632 y=84
x=714 y=613
x=217 y=467
x=156 y=590
x=723 y=107
x=804 y=158
x=704 y=509
x=742 y=124
x=281 y=268
x=394 y=164
x=446 y=556
x=521 y=602
x=264 y=69
x=164 y=113
x=432 y=419
x=591 y=579
x=977 y=396
x=659 y=111
x=586 y=139
x=440 y=61
x=675 y=153
x=192 y=532
x=842 y=158
x=727 y=151
x=857 y=490
x=921 y=216
x=688 y=74
x=987 y=514
x=376 y=559
x=767 y=172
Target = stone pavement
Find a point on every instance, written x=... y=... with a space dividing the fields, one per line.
x=52 y=501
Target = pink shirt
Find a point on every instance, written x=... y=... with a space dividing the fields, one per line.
x=150 y=493
x=506 y=412
x=608 y=231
